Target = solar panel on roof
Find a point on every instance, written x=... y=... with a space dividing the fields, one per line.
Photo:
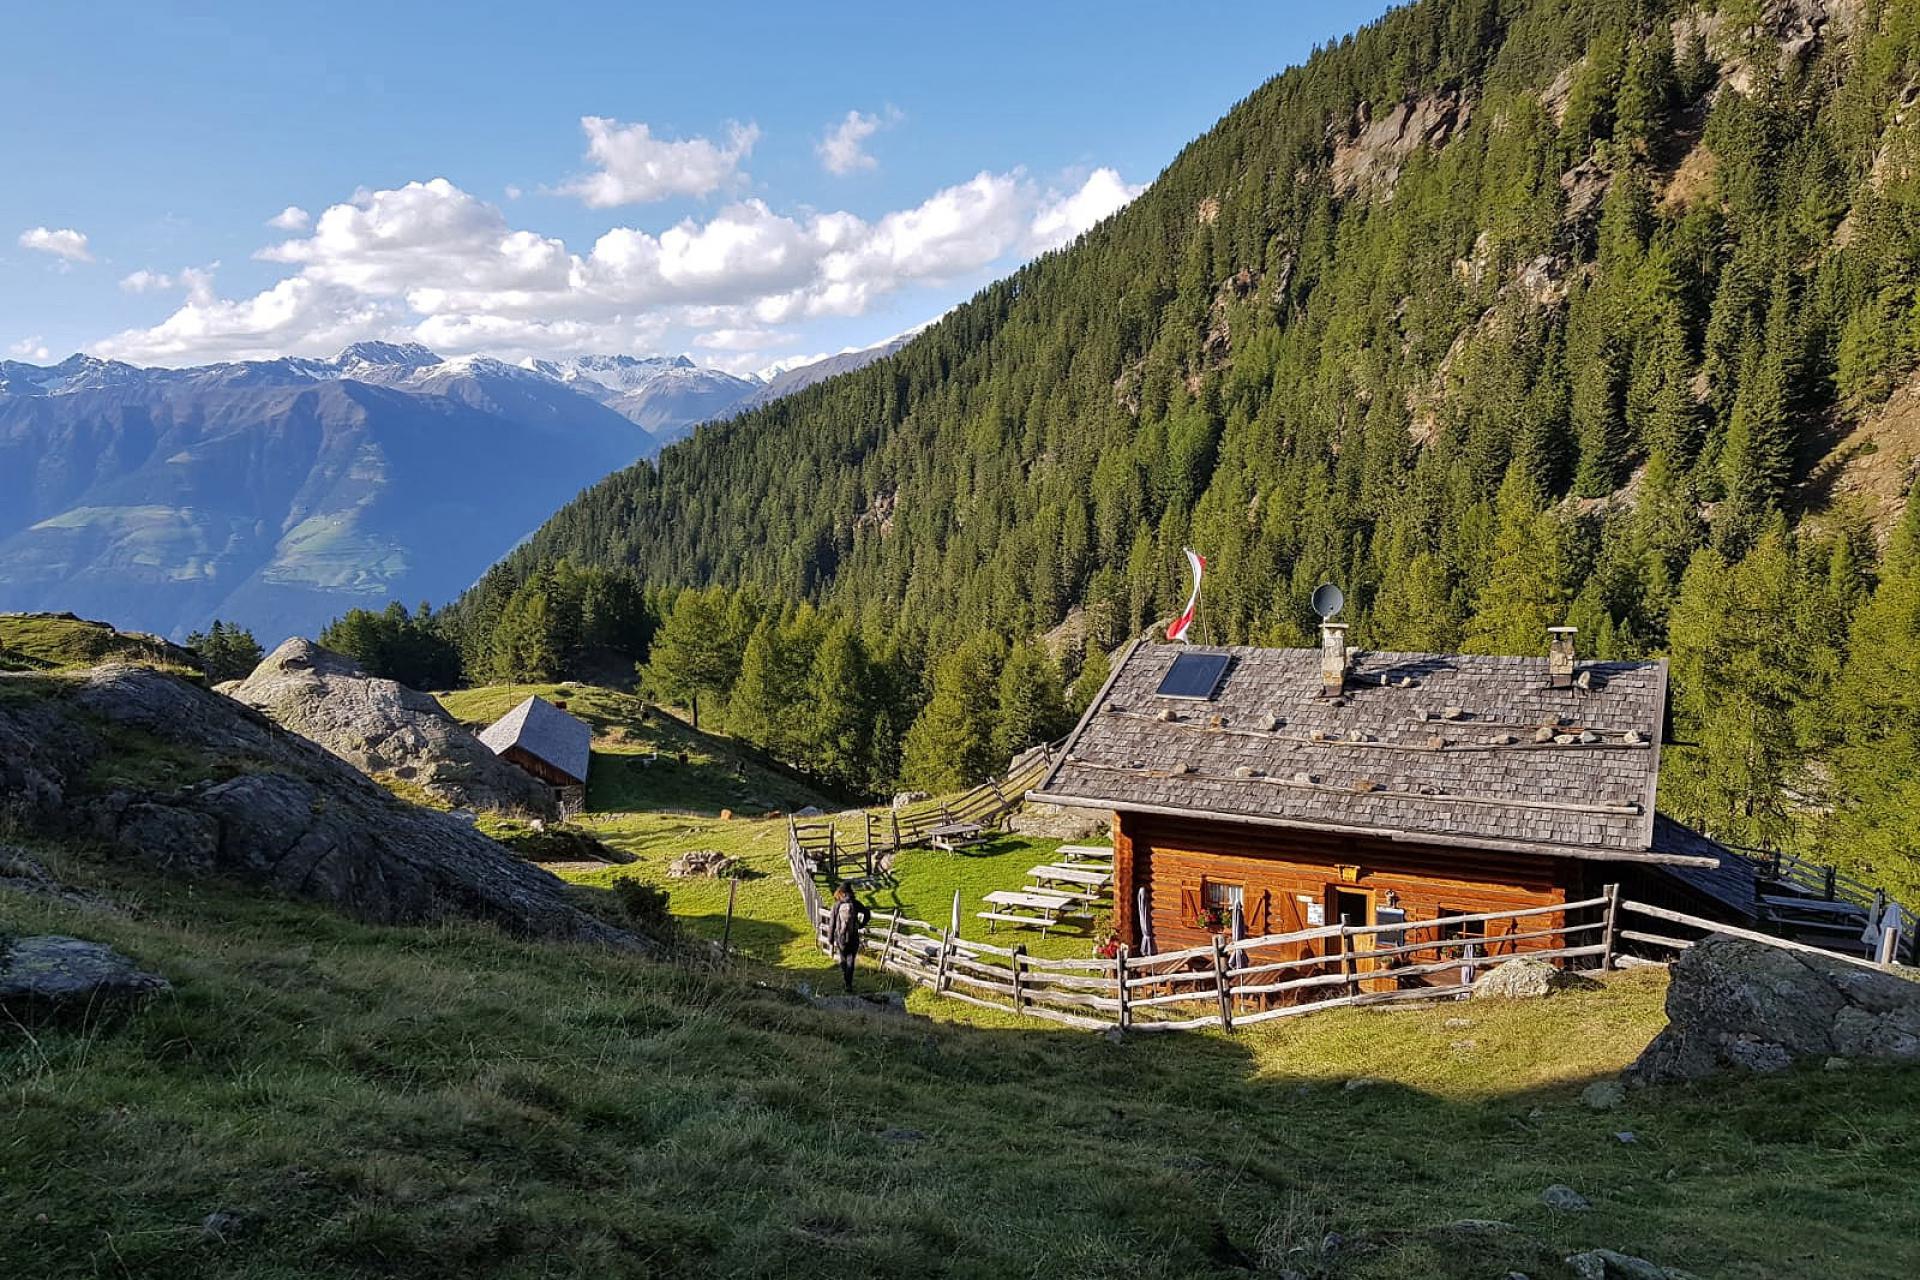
x=1193 y=675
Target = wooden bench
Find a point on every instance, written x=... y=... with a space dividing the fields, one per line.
x=1042 y=923
x=1078 y=895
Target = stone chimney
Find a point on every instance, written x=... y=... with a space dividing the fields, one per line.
x=1560 y=657
x=1333 y=658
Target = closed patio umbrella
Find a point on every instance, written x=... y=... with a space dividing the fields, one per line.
x=1146 y=921
x=953 y=923
x=1238 y=960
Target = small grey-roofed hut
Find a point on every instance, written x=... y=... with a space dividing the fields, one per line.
x=1313 y=786
x=545 y=741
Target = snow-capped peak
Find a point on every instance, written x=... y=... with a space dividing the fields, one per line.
x=406 y=355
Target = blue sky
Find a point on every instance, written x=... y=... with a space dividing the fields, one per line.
x=527 y=180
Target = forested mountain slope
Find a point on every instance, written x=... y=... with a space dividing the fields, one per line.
x=1498 y=313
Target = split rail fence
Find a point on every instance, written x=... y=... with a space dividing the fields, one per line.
x=1234 y=984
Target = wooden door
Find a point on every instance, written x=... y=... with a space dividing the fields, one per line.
x=1353 y=907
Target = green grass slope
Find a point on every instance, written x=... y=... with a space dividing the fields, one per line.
x=449 y=1102
x=62 y=642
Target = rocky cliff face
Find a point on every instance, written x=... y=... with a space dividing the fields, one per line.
x=379 y=726
x=200 y=785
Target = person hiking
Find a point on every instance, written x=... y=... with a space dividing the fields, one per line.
x=844 y=923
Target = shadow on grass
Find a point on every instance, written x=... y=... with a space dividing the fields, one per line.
x=446 y=1101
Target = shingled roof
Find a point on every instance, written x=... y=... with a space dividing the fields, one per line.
x=1451 y=748
x=545 y=732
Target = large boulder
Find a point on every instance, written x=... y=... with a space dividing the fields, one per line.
x=55 y=977
x=197 y=784
x=381 y=727
x=1737 y=1004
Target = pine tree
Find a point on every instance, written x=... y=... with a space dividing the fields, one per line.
x=1739 y=665
x=840 y=686
x=228 y=651
x=1095 y=669
x=1031 y=709
x=1525 y=592
x=523 y=648
x=1873 y=828
x=951 y=744
x=695 y=652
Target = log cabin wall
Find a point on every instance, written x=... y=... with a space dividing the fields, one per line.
x=1282 y=873
x=539 y=768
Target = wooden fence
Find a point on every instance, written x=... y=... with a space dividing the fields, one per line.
x=1231 y=984
x=819 y=850
x=1656 y=935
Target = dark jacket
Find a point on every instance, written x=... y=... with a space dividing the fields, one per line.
x=844 y=924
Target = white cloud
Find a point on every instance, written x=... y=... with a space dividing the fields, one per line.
x=752 y=341
x=1062 y=218
x=435 y=263
x=291 y=218
x=145 y=281
x=843 y=150
x=634 y=167
x=197 y=281
x=32 y=349
x=66 y=244
x=295 y=317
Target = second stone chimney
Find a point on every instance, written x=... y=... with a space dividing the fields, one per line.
x=1333 y=658
x=1560 y=657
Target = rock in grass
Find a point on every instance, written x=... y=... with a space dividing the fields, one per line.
x=51 y=976
x=1607 y=1264
x=1526 y=979
x=1564 y=1199
x=1516 y=980
x=1734 y=1003
x=222 y=1225
x=1604 y=1095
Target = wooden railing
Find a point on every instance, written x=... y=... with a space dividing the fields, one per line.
x=1665 y=933
x=1822 y=883
x=1230 y=984
x=819 y=850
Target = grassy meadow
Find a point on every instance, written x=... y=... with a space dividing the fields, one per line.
x=450 y=1102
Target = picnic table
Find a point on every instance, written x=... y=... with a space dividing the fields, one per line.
x=1027 y=907
x=1086 y=852
x=1059 y=873
x=949 y=836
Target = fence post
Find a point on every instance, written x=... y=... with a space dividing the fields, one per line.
x=1346 y=962
x=1019 y=954
x=1831 y=875
x=946 y=951
x=1612 y=893
x=1220 y=982
x=895 y=815
x=1120 y=978
x=726 y=934
x=886 y=949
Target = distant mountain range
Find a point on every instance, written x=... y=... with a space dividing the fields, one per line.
x=280 y=493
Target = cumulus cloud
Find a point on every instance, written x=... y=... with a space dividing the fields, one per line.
x=291 y=218
x=843 y=150
x=752 y=340
x=435 y=263
x=197 y=281
x=32 y=349
x=295 y=317
x=65 y=244
x=634 y=167
x=1062 y=218
x=145 y=281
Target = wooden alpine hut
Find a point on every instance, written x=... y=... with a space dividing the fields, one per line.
x=545 y=741
x=1310 y=788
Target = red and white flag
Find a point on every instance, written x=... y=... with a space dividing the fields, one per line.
x=1178 y=631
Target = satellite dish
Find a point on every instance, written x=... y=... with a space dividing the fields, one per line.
x=1328 y=600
